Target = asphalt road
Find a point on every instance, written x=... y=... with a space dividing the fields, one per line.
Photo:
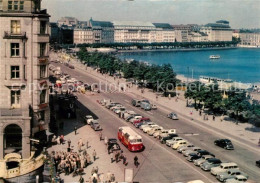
x=158 y=162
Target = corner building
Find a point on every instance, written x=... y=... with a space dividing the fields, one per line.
x=24 y=45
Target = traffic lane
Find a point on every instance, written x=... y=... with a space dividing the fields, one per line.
x=157 y=163
x=199 y=137
x=204 y=140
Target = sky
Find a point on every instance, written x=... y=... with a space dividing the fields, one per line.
x=240 y=13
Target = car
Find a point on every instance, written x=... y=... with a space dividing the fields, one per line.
x=117 y=111
x=223 y=168
x=148 y=128
x=232 y=173
x=169 y=137
x=146 y=106
x=166 y=132
x=172 y=141
x=154 y=106
x=117 y=106
x=88 y=119
x=203 y=158
x=192 y=156
x=146 y=101
x=127 y=114
x=210 y=163
x=179 y=143
x=191 y=150
x=141 y=120
x=237 y=179
x=184 y=147
x=136 y=102
x=196 y=181
x=153 y=130
x=173 y=115
x=224 y=143
x=204 y=152
x=112 y=145
x=135 y=117
x=257 y=163
x=137 y=125
x=146 y=125
x=95 y=125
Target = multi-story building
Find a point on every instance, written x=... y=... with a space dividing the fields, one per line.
x=164 y=33
x=94 y=32
x=198 y=37
x=68 y=21
x=250 y=39
x=24 y=109
x=182 y=32
x=219 y=31
x=134 y=32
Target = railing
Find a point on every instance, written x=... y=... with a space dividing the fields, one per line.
x=10 y=35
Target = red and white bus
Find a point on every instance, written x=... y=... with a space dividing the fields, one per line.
x=130 y=138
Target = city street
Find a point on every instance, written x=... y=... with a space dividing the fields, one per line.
x=158 y=162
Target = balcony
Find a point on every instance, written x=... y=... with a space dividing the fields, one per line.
x=10 y=35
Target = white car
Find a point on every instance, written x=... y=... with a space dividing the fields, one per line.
x=116 y=107
x=179 y=143
x=172 y=141
x=204 y=158
x=237 y=179
x=166 y=132
x=185 y=147
x=223 y=168
x=89 y=119
x=154 y=130
x=146 y=125
x=128 y=113
x=117 y=111
x=191 y=150
x=146 y=129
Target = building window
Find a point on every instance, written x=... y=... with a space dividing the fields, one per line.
x=42 y=71
x=15 y=5
x=15 y=49
x=15 y=27
x=43 y=27
x=15 y=98
x=42 y=49
x=15 y=72
x=43 y=97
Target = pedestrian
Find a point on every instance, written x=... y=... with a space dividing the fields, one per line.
x=75 y=130
x=117 y=156
x=96 y=170
x=213 y=117
x=81 y=179
x=222 y=117
x=100 y=135
x=94 y=155
x=87 y=144
x=200 y=112
x=106 y=140
x=113 y=178
x=93 y=171
x=156 y=97
x=112 y=158
x=169 y=96
x=136 y=161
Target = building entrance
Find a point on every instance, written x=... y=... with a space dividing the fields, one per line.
x=12 y=139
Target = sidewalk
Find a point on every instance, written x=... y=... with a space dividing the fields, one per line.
x=243 y=131
x=103 y=159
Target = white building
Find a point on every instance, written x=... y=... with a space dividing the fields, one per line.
x=68 y=21
x=198 y=37
x=134 y=32
x=24 y=108
x=219 y=31
x=164 y=33
x=250 y=39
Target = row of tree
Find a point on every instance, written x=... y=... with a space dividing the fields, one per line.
x=235 y=103
x=159 y=78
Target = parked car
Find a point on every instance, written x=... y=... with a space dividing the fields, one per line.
x=127 y=113
x=191 y=150
x=258 y=163
x=179 y=143
x=134 y=118
x=95 y=125
x=192 y=157
x=113 y=145
x=210 y=163
x=147 y=101
x=154 y=106
x=146 y=106
x=173 y=115
x=203 y=158
x=117 y=111
x=153 y=130
x=224 y=143
x=136 y=102
x=169 y=137
x=166 y=132
x=172 y=141
x=232 y=173
x=237 y=179
x=141 y=120
x=88 y=119
x=204 y=152
x=184 y=147
x=146 y=125
x=223 y=168
x=196 y=181
x=148 y=128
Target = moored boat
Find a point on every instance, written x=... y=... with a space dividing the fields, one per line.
x=214 y=56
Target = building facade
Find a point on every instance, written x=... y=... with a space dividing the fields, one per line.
x=24 y=109
x=250 y=39
x=219 y=31
x=164 y=33
x=68 y=21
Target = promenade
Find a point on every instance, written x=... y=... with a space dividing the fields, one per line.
x=243 y=132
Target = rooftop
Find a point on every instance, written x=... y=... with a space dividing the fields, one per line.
x=133 y=23
x=163 y=25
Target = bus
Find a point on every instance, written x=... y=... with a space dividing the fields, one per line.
x=130 y=139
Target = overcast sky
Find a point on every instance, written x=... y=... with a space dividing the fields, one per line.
x=240 y=13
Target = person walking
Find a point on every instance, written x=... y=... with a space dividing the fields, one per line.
x=94 y=155
x=81 y=179
x=100 y=135
x=112 y=178
x=75 y=130
x=213 y=117
x=87 y=144
x=136 y=161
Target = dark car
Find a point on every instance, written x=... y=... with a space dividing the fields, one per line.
x=173 y=115
x=112 y=145
x=192 y=157
x=137 y=125
x=204 y=152
x=257 y=163
x=95 y=125
x=169 y=137
x=224 y=143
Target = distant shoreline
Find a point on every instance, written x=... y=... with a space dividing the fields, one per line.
x=179 y=49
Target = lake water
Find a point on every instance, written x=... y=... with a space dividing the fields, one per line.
x=242 y=65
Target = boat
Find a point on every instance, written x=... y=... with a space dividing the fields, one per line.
x=14 y=168
x=214 y=56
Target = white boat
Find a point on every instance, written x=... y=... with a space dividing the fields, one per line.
x=214 y=56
